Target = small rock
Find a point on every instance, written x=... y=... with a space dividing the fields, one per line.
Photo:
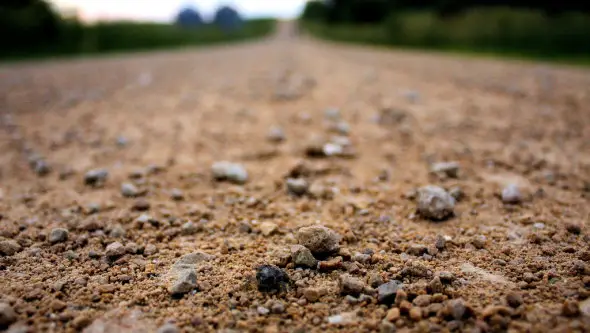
x=58 y=235
x=350 y=285
x=268 y=228
x=330 y=265
x=168 y=328
x=262 y=310
x=422 y=300
x=375 y=280
x=457 y=193
x=190 y=228
x=585 y=307
x=185 y=281
x=117 y=231
x=415 y=314
x=115 y=250
x=332 y=113
x=345 y=318
x=9 y=247
x=446 y=277
x=176 y=194
x=41 y=168
x=435 y=203
x=312 y=294
x=447 y=169
x=231 y=172
x=393 y=315
x=417 y=249
x=570 y=308
x=440 y=242
x=276 y=134
x=95 y=177
x=479 y=241
x=435 y=285
x=277 y=307
x=129 y=190
x=319 y=239
x=7 y=315
x=270 y=278
x=457 y=309
x=514 y=299
x=302 y=256
x=297 y=186
x=122 y=141
x=511 y=194
x=361 y=257
x=150 y=249
x=573 y=228
x=141 y=205
x=387 y=291
x=342 y=127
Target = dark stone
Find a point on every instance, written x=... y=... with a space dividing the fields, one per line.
x=271 y=278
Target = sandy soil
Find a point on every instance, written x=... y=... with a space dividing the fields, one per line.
x=159 y=121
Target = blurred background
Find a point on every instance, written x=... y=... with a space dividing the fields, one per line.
x=530 y=28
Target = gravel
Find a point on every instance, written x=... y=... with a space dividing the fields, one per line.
x=511 y=194
x=319 y=239
x=176 y=194
x=276 y=134
x=297 y=186
x=301 y=256
x=232 y=172
x=115 y=250
x=387 y=291
x=271 y=278
x=58 y=235
x=350 y=285
x=435 y=203
x=7 y=315
x=129 y=190
x=96 y=177
x=9 y=247
x=447 y=169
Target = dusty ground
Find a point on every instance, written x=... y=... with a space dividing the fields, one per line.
x=519 y=268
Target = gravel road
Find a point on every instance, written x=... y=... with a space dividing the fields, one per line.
x=167 y=192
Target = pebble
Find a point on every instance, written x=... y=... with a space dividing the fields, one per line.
x=9 y=247
x=176 y=194
x=95 y=177
x=319 y=239
x=190 y=228
x=7 y=315
x=268 y=228
x=330 y=265
x=375 y=280
x=345 y=318
x=58 y=235
x=262 y=310
x=342 y=127
x=231 y=172
x=570 y=308
x=514 y=299
x=350 y=285
x=479 y=241
x=417 y=249
x=415 y=314
x=422 y=300
x=573 y=228
x=585 y=307
x=447 y=169
x=312 y=294
x=277 y=307
x=387 y=291
x=270 y=278
x=435 y=203
x=361 y=257
x=129 y=190
x=168 y=328
x=332 y=113
x=446 y=277
x=393 y=315
x=150 y=249
x=457 y=193
x=122 y=141
x=115 y=250
x=302 y=256
x=141 y=205
x=185 y=281
x=276 y=134
x=511 y=194
x=297 y=186
x=41 y=168
x=440 y=242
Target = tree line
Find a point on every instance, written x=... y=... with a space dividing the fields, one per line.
x=374 y=11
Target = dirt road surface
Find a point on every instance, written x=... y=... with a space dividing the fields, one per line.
x=363 y=127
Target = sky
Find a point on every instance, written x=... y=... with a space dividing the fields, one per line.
x=165 y=10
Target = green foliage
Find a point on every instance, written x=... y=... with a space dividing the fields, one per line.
x=32 y=29
x=522 y=32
